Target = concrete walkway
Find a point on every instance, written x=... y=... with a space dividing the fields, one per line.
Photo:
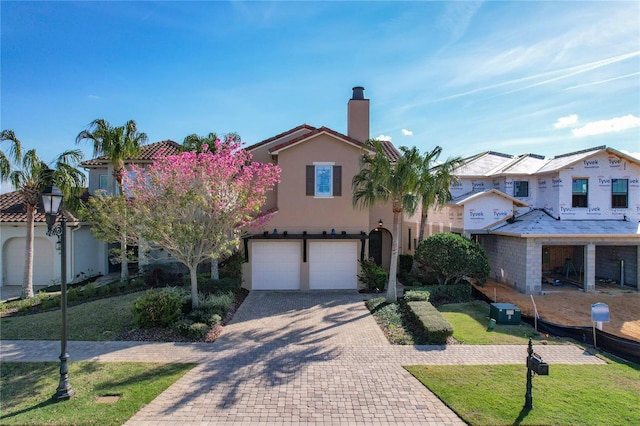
x=295 y=357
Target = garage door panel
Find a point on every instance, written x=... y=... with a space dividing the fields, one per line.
x=14 y=257
x=333 y=265
x=275 y=265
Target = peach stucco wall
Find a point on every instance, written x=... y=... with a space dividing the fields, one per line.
x=298 y=212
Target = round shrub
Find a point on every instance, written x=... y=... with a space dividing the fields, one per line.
x=158 y=308
x=453 y=258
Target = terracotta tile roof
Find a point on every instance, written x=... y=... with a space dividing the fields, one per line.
x=390 y=151
x=281 y=135
x=147 y=153
x=13 y=210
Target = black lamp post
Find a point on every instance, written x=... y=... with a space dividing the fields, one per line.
x=52 y=200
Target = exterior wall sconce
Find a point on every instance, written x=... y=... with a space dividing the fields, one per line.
x=380 y=223
x=275 y=231
x=333 y=231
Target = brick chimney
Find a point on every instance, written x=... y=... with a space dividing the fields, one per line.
x=358 y=115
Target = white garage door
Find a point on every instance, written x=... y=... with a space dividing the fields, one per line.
x=333 y=265
x=14 y=261
x=275 y=265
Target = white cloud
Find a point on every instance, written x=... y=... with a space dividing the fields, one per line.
x=384 y=138
x=93 y=97
x=633 y=154
x=606 y=126
x=407 y=132
x=567 y=121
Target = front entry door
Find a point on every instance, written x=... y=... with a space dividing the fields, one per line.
x=375 y=246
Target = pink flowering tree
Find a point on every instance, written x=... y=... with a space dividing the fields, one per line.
x=195 y=205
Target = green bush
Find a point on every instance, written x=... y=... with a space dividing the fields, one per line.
x=373 y=276
x=49 y=301
x=405 y=261
x=418 y=294
x=453 y=258
x=158 y=308
x=435 y=327
x=198 y=330
x=387 y=313
x=89 y=290
x=441 y=294
x=205 y=316
x=73 y=294
x=208 y=286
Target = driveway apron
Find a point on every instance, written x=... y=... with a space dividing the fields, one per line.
x=299 y=357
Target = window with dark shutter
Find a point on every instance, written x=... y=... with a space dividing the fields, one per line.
x=310 y=180
x=337 y=181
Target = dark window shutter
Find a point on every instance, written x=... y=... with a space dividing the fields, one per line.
x=337 y=181
x=311 y=180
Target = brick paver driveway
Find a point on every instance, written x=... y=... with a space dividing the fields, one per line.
x=295 y=357
x=298 y=357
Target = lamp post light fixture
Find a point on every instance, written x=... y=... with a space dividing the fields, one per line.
x=52 y=200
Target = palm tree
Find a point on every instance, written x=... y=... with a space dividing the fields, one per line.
x=32 y=176
x=15 y=153
x=434 y=182
x=379 y=180
x=118 y=144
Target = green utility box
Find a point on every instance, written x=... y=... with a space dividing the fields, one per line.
x=505 y=313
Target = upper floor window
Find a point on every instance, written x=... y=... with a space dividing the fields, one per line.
x=324 y=180
x=104 y=183
x=580 y=192
x=521 y=188
x=619 y=193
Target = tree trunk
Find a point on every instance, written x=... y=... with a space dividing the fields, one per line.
x=27 y=280
x=215 y=270
x=193 y=274
x=392 y=294
x=423 y=223
x=124 y=259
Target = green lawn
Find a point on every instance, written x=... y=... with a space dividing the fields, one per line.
x=27 y=389
x=607 y=395
x=470 y=322
x=102 y=319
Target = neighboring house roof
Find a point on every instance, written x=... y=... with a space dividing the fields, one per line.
x=490 y=163
x=482 y=164
x=13 y=210
x=537 y=223
x=391 y=152
x=146 y=155
x=474 y=195
x=524 y=164
x=562 y=161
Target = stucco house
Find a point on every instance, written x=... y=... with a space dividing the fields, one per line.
x=84 y=253
x=575 y=215
x=315 y=236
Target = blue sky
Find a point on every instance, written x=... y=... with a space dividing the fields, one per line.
x=514 y=77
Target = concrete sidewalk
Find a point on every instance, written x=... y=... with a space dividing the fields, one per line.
x=295 y=358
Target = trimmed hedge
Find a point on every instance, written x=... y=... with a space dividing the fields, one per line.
x=436 y=328
x=440 y=294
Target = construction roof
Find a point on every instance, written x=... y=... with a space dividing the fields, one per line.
x=539 y=223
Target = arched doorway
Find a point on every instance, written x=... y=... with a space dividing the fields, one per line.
x=380 y=247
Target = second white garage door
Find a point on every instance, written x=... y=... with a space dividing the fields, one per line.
x=275 y=265
x=333 y=265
